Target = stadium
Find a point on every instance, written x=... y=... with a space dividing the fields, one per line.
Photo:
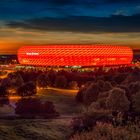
x=75 y=55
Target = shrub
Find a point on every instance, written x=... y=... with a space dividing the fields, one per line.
x=101 y=84
x=3 y=91
x=102 y=102
x=136 y=102
x=15 y=79
x=103 y=95
x=126 y=89
x=105 y=131
x=52 y=76
x=133 y=77
x=134 y=87
x=107 y=86
x=120 y=77
x=61 y=81
x=42 y=81
x=91 y=94
x=48 y=108
x=34 y=107
x=27 y=106
x=6 y=82
x=117 y=100
x=4 y=101
x=113 y=83
x=73 y=85
x=80 y=94
x=81 y=124
x=89 y=119
x=27 y=89
x=97 y=114
x=3 y=96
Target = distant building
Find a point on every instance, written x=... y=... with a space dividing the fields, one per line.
x=8 y=59
x=75 y=55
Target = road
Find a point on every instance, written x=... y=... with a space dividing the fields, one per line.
x=64 y=91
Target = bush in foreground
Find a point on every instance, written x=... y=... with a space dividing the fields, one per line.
x=90 y=94
x=105 y=131
x=117 y=100
x=34 y=107
x=136 y=102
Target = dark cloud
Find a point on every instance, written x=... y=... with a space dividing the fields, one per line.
x=113 y=23
x=64 y=2
x=59 y=2
x=122 y=1
x=95 y=2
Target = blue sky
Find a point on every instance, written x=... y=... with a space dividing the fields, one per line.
x=23 y=9
x=32 y=22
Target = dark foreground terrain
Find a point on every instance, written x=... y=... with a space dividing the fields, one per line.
x=42 y=129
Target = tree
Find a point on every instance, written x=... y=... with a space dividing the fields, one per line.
x=117 y=100
x=119 y=77
x=16 y=79
x=73 y=85
x=52 y=76
x=88 y=94
x=134 y=87
x=61 y=81
x=27 y=89
x=80 y=94
x=3 y=96
x=133 y=77
x=42 y=80
x=91 y=94
x=136 y=102
x=101 y=84
x=6 y=82
x=107 y=86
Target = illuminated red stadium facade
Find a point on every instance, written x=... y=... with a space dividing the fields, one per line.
x=75 y=55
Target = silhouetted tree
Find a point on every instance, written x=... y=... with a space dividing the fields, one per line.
x=120 y=77
x=107 y=86
x=27 y=89
x=134 y=87
x=42 y=81
x=3 y=96
x=15 y=79
x=117 y=100
x=61 y=81
x=52 y=76
x=6 y=82
x=136 y=102
x=80 y=94
x=91 y=94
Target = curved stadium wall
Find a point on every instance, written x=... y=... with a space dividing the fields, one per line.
x=75 y=55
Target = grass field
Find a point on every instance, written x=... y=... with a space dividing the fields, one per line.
x=43 y=129
x=34 y=129
x=64 y=101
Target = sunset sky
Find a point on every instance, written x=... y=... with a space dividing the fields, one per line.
x=35 y=22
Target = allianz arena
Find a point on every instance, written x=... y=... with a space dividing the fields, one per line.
x=75 y=55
